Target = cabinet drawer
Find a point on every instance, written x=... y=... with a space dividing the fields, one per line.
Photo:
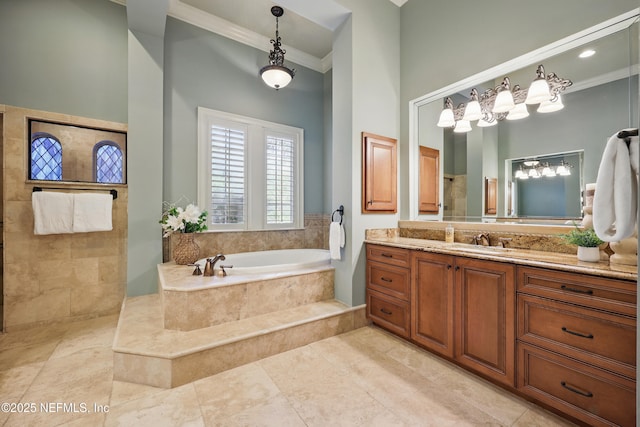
x=592 y=395
x=603 y=339
x=388 y=312
x=596 y=292
x=393 y=281
x=388 y=255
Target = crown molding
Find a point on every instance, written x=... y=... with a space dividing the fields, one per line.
x=209 y=22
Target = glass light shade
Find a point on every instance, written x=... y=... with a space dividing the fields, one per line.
x=563 y=170
x=524 y=176
x=472 y=111
x=504 y=102
x=538 y=92
x=549 y=106
x=485 y=124
x=462 y=126
x=547 y=171
x=533 y=173
x=446 y=119
x=520 y=173
x=276 y=76
x=519 y=112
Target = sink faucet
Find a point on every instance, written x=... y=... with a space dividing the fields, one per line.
x=481 y=239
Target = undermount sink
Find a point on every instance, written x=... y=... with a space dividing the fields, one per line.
x=479 y=248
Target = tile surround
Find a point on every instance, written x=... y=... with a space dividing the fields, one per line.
x=37 y=290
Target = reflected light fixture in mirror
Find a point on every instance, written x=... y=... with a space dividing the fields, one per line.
x=504 y=101
x=535 y=169
x=276 y=74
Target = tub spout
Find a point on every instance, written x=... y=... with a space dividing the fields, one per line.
x=214 y=260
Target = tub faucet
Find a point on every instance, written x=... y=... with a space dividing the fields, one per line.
x=210 y=264
x=215 y=259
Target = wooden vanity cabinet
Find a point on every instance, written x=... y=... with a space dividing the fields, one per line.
x=576 y=344
x=464 y=308
x=432 y=302
x=388 y=288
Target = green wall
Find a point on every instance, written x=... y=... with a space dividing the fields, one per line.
x=64 y=56
x=204 y=69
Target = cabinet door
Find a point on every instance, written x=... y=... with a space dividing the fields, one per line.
x=379 y=174
x=490 y=196
x=432 y=302
x=429 y=197
x=485 y=315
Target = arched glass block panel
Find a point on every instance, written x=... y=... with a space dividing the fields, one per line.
x=108 y=161
x=46 y=157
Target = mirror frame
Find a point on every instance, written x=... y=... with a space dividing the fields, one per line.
x=595 y=32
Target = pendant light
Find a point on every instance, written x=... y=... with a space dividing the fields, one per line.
x=276 y=74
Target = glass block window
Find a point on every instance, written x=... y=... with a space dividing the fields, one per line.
x=108 y=162
x=46 y=157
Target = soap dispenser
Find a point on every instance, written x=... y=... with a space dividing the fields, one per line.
x=448 y=234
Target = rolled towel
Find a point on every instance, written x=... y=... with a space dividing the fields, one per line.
x=334 y=240
x=615 y=199
x=52 y=212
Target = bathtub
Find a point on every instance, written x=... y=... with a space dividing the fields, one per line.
x=275 y=261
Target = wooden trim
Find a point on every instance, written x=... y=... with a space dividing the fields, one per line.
x=379 y=174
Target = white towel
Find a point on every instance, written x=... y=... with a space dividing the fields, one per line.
x=52 y=212
x=335 y=239
x=615 y=199
x=92 y=212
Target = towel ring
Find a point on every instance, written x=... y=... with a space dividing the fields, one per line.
x=340 y=211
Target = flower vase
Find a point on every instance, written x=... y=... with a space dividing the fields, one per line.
x=186 y=250
x=588 y=254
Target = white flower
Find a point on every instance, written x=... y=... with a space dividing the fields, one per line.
x=191 y=214
x=174 y=223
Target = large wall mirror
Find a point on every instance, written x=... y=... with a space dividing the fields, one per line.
x=602 y=99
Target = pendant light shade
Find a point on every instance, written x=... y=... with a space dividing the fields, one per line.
x=462 y=126
x=549 y=106
x=473 y=111
x=519 y=112
x=276 y=74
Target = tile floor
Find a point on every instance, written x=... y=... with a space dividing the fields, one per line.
x=366 y=377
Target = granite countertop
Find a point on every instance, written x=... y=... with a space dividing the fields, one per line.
x=552 y=260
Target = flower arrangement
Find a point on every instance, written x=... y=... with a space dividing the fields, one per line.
x=188 y=220
x=586 y=238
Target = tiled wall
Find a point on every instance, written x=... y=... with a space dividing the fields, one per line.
x=56 y=278
x=314 y=235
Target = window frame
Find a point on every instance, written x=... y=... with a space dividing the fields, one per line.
x=255 y=201
x=96 y=149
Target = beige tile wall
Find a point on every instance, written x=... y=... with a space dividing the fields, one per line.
x=315 y=235
x=56 y=278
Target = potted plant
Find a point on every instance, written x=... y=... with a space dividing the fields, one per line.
x=186 y=221
x=587 y=241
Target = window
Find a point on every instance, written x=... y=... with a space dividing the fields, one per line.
x=46 y=157
x=108 y=162
x=249 y=172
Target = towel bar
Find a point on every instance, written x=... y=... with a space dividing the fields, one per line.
x=113 y=192
x=340 y=211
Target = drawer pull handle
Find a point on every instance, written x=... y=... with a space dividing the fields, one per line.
x=387 y=255
x=576 y=389
x=385 y=311
x=579 y=334
x=384 y=279
x=578 y=291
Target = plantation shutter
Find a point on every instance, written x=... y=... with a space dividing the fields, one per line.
x=227 y=175
x=280 y=179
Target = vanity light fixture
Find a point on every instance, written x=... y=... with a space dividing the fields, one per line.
x=535 y=169
x=500 y=102
x=276 y=74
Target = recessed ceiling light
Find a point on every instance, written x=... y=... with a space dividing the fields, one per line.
x=587 y=53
